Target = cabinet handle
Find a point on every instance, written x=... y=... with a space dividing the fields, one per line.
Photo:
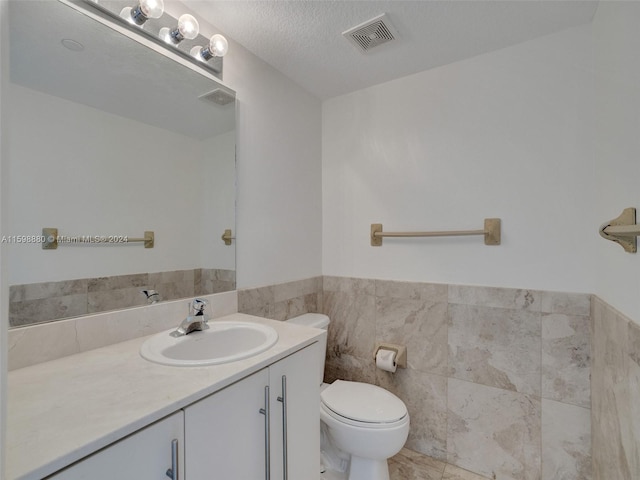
x=267 y=434
x=172 y=472
x=283 y=399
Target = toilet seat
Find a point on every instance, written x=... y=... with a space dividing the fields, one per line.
x=363 y=425
x=363 y=405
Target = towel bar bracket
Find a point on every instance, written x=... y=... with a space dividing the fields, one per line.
x=227 y=237
x=376 y=240
x=492 y=231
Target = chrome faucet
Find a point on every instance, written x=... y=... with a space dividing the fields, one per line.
x=152 y=296
x=196 y=320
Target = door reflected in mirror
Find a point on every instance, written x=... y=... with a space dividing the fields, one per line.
x=107 y=139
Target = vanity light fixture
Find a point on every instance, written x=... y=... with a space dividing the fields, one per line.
x=187 y=28
x=218 y=47
x=145 y=10
x=181 y=34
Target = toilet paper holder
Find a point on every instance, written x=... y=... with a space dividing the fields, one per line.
x=401 y=352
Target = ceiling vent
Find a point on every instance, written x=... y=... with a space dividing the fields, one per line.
x=219 y=96
x=372 y=33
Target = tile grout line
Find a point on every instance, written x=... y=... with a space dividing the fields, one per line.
x=541 y=396
x=446 y=438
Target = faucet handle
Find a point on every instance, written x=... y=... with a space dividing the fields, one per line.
x=197 y=306
x=152 y=295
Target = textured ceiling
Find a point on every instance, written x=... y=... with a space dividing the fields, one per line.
x=303 y=38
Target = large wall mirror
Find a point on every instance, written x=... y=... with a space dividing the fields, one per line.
x=109 y=138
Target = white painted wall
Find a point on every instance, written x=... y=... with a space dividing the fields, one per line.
x=279 y=231
x=617 y=146
x=218 y=187
x=113 y=176
x=4 y=284
x=505 y=134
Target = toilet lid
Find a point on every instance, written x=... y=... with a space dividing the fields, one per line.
x=363 y=402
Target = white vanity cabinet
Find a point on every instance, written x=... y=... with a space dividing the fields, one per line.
x=144 y=455
x=297 y=375
x=217 y=414
x=265 y=426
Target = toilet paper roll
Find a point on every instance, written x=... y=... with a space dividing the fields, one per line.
x=386 y=360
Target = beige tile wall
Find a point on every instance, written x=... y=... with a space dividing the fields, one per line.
x=615 y=387
x=44 y=302
x=47 y=341
x=282 y=301
x=497 y=379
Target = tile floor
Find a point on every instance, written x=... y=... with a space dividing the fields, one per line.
x=410 y=465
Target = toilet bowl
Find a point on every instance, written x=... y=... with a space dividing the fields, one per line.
x=368 y=423
x=365 y=422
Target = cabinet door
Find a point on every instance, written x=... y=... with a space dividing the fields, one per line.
x=225 y=432
x=144 y=455
x=294 y=385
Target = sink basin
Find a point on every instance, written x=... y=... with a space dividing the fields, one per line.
x=222 y=342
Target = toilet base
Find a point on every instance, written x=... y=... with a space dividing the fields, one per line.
x=331 y=475
x=368 y=469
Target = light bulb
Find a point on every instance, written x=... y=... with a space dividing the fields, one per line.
x=165 y=34
x=145 y=10
x=218 y=45
x=188 y=26
x=152 y=8
x=126 y=14
x=197 y=53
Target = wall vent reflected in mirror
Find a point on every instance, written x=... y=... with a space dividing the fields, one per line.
x=219 y=97
x=124 y=140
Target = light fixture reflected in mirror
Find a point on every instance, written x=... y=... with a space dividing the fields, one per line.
x=218 y=47
x=187 y=28
x=145 y=10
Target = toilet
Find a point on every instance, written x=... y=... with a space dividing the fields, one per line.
x=365 y=423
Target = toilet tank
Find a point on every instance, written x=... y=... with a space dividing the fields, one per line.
x=315 y=320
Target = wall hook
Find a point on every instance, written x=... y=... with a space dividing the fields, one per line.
x=623 y=230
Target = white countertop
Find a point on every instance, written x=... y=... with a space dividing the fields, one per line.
x=63 y=410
